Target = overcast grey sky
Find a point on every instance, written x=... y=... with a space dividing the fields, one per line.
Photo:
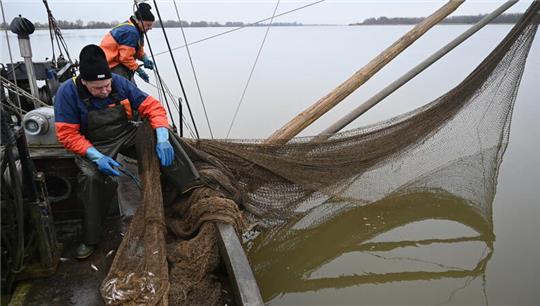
x=327 y=12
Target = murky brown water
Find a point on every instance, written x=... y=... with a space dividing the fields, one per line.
x=402 y=246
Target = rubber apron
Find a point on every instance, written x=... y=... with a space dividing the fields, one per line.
x=112 y=132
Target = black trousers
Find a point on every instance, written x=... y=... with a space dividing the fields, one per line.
x=125 y=72
x=97 y=191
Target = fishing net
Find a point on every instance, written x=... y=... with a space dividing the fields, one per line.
x=360 y=166
x=438 y=149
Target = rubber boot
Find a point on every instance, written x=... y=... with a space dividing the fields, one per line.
x=84 y=251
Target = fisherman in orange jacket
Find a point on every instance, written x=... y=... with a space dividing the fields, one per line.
x=97 y=115
x=124 y=44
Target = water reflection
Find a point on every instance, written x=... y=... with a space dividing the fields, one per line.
x=285 y=259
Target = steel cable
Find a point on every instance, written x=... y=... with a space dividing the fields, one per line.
x=193 y=70
x=241 y=27
x=252 y=70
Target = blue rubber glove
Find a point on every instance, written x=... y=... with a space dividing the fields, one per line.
x=164 y=149
x=104 y=163
x=142 y=74
x=148 y=64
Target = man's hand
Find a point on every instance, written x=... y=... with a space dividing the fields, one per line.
x=148 y=64
x=142 y=74
x=104 y=163
x=164 y=149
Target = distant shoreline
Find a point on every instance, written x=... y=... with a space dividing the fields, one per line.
x=80 y=25
x=305 y=26
x=454 y=20
x=457 y=20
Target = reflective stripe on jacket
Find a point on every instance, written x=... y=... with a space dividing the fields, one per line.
x=71 y=112
x=123 y=44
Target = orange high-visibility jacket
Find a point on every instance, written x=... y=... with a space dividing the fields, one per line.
x=123 y=44
x=71 y=110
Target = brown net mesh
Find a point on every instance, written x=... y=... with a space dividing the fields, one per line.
x=139 y=272
x=436 y=149
x=366 y=164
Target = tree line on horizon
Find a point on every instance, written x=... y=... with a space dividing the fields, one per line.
x=502 y=19
x=80 y=24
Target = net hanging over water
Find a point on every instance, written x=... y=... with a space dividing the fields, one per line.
x=450 y=146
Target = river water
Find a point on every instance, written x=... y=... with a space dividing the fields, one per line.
x=299 y=65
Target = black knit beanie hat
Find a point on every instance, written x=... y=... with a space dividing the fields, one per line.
x=93 y=64
x=143 y=12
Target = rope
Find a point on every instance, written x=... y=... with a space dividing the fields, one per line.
x=160 y=96
x=51 y=35
x=252 y=70
x=176 y=68
x=164 y=92
x=193 y=70
x=14 y=107
x=161 y=84
x=183 y=118
x=61 y=43
x=10 y=55
x=168 y=92
x=241 y=27
x=19 y=91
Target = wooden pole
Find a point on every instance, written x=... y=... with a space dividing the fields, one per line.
x=315 y=111
x=364 y=107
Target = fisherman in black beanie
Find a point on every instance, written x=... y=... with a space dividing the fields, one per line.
x=143 y=12
x=96 y=118
x=124 y=44
x=93 y=64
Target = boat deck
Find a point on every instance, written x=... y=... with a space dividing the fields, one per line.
x=76 y=282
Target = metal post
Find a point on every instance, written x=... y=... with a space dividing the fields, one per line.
x=26 y=53
x=180 y=114
x=362 y=108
